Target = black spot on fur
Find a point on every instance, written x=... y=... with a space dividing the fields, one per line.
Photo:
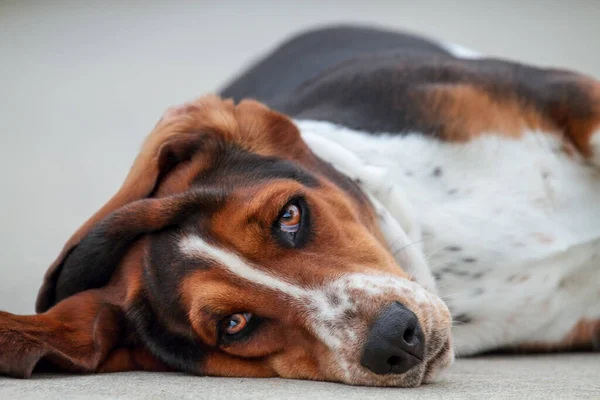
x=452 y=191
x=450 y=270
x=349 y=314
x=453 y=248
x=469 y=260
x=478 y=275
x=437 y=172
x=334 y=299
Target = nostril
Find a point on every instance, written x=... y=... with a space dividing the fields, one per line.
x=393 y=361
x=409 y=335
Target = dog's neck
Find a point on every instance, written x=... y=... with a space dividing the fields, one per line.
x=398 y=219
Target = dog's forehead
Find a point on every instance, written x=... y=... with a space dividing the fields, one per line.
x=235 y=167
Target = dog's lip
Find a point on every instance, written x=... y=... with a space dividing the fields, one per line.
x=433 y=367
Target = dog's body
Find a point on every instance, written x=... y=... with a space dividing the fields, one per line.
x=510 y=225
x=416 y=170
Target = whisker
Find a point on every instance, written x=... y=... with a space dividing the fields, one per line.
x=403 y=247
x=434 y=252
x=453 y=295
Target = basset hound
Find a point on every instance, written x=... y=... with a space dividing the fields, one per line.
x=358 y=206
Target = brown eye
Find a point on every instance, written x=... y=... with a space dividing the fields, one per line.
x=236 y=323
x=292 y=228
x=290 y=219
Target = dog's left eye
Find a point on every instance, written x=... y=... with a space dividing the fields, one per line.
x=290 y=219
x=290 y=226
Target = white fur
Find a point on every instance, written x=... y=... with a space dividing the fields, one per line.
x=195 y=245
x=595 y=147
x=511 y=227
x=400 y=226
x=460 y=51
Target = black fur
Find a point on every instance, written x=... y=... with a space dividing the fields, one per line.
x=92 y=262
x=235 y=167
x=182 y=353
x=383 y=81
x=278 y=76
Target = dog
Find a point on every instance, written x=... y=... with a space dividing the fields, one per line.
x=359 y=206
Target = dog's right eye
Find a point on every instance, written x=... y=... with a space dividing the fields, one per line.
x=236 y=323
x=290 y=219
x=236 y=327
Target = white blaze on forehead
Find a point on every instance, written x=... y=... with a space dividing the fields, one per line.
x=194 y=245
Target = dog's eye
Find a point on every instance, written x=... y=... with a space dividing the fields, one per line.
x=290 y=219
x=237 y=327
x=236 y=323
x=290 y=228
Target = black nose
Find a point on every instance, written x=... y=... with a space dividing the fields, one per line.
x=395 y=343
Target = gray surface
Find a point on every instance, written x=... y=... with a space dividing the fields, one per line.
x=544 y=377
x=82 y=82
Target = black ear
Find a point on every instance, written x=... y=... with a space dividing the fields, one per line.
x=92 y=253
x=92 y=262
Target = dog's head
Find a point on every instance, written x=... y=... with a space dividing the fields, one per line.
x=232 y=250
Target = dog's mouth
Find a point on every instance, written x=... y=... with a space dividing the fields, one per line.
x=426 y=371
x=407 y=341
x=439 y=363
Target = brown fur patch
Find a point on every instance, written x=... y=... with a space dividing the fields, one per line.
x=585 y=335
x=469 y=111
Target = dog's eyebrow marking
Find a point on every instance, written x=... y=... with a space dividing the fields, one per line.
x=194 y=245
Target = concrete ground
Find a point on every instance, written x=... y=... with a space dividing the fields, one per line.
x=542 y=377
x=82 y=82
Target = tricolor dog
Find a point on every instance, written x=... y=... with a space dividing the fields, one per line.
x=359 y=207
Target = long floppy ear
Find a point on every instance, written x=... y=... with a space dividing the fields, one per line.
x=84 y=329
x=82 y=325
x=174 y=140
x=76 y=335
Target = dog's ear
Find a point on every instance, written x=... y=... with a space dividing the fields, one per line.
x=76 y=335
x=91 y=254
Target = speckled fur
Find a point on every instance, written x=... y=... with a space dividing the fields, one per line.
x=510 y=228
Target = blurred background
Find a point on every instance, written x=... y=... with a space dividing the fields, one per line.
x=82 y=83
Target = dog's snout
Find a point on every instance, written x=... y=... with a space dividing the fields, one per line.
x=395 y=343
